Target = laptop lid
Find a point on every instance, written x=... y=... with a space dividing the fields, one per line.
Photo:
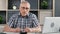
x=51 y=24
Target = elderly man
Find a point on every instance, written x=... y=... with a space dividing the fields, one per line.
x=24 y=21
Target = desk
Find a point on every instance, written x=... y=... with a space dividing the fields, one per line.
x=10 y=33
x=52 y=33
x=19 y=33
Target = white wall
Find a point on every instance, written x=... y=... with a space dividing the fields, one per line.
x=3 y=4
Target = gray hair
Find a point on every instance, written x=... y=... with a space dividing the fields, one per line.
x=24 y=2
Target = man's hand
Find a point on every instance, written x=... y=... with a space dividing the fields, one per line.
x=18 y=29
x=27 y=29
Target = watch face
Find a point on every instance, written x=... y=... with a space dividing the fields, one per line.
x=52 y=24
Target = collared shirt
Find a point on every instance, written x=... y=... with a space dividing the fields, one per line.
x=27 y=21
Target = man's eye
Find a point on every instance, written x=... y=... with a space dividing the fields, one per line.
x=25 y=8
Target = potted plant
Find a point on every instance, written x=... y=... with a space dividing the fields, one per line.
x=44 y=4
x=1 y=19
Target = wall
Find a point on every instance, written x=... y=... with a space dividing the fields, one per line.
x=2 y=4
x=57 y=8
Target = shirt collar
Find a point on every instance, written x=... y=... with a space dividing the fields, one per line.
x=24 y=16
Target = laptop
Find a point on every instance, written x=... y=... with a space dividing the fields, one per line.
x=51 y=25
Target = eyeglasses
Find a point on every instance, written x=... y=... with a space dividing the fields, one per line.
x=25 y=8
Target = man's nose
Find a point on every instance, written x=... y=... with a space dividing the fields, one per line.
x=25 y=10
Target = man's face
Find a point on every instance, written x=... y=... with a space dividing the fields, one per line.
x=24 y=9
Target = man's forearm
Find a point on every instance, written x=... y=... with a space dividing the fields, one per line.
x=12 y=29
x=37 y=29
x=9 y=29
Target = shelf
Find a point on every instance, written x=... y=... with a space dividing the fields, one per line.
x=46 y=4
x=3 y=9
x=47 y=10
x=18 y=10
x=13 y=10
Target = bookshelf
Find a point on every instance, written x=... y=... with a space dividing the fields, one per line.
x=46 y=9
x=7 y=8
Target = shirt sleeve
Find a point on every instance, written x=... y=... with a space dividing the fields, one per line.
x=11 y=21
x=35 y=21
